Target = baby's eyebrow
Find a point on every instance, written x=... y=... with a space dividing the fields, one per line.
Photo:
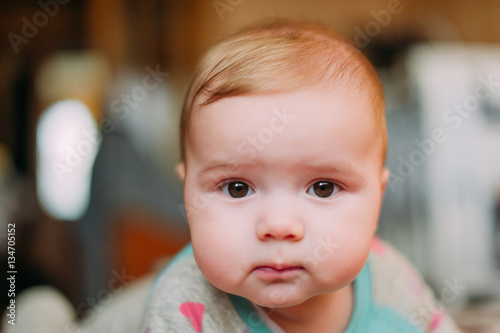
x=337 y=168
x=219 y=166
x=341 y=168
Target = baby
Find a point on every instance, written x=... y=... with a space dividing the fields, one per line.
x=283 y=147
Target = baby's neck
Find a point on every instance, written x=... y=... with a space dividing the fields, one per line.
x=326 y=313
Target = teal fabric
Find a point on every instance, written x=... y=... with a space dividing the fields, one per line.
x=248 y=314
x=362 y=301
x=370 y=317
x=187 y=250
x=366 y=317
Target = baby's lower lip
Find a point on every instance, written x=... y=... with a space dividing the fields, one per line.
x=271 y=273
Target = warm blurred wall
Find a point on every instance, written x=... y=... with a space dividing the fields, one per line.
x=174 y=34
x=442 y=19
x=177 y=33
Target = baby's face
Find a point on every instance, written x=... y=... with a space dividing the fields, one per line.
x=282 y=193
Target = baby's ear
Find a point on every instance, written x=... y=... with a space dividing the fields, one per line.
x=180 y=169
x=385 y=178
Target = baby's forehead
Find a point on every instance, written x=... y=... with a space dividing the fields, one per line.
x=290 y=120
x=279 y=104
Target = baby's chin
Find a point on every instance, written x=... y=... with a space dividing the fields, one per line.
x=277 y=299
x=283 y=298
x=276 y=305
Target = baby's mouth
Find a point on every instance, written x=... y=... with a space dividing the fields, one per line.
x=277 y=271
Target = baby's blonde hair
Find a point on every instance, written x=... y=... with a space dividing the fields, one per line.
x=282 y=56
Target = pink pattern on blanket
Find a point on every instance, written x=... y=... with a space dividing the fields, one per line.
x=436 y=320
x=377 y=246
x=194 y=312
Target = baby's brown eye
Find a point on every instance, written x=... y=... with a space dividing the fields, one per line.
x=323 y=189
x=237 y=189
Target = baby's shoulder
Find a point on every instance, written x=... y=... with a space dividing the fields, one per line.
x=395 y=281
x=182 y=299
x=396 y=284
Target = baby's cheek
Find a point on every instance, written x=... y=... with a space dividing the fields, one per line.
x=219 y=274
x=211 y=264
x=343 y=264
x=215 y=257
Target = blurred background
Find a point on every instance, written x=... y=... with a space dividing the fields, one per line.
x=90 y=98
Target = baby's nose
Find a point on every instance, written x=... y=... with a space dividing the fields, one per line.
x=280 y=223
